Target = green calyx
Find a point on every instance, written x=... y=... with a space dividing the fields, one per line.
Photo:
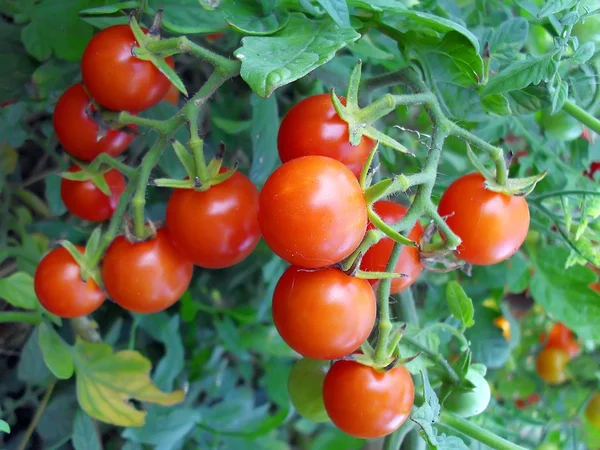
x=87 y=268
x=89 y=174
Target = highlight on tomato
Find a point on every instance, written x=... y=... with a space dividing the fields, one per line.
x=323 y=314
x=313 y=127
x=305 y=386
x=376 y=258
x=312 y=212
x=162 y=274
x=366 y=403
x=85 y=200
x=491 y=225
x=78 y=133
x=60 y=289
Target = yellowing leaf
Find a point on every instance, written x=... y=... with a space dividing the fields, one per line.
x=8 y=159
x=106 y=381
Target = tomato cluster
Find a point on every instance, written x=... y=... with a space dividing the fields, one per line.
x=560 y=347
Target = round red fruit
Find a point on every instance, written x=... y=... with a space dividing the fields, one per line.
x=366 y=403
x=60 y=289
x=218 y=227
x=313 y=127
x=376 y=258
x=115 y=78
x=312 y=212
x=145 y=277
x=323 y=314
x=84 y=200
x=78 y=133
x=491 y=225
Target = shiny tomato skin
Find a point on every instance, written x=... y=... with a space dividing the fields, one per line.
x=216 y=228
x=376 y=258
x=323 y=314
x=145 y=277
x=365 y=403
x=84 y=200
x=313 y=127
x=115 y=78
x=78 y=133
x=592 y=410
x=60 y=289
x=562 y=338
x=312 y=212
x=551 y=364
x=492 y=225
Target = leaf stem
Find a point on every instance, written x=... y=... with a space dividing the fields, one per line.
x=19 y=316
x=437 y=358
x=582 y=115
x=36 y=418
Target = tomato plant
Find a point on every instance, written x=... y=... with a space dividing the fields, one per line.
x=115 y=78
x=492 y=226
x=366 y=403
x=305 y=386
x=162 y=274
x=78 y=133
x=85 y=200
x=312 y=212
x=323 y=314
x=60 y=288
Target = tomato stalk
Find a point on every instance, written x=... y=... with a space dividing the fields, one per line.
x=583 y=116
x=19 y=316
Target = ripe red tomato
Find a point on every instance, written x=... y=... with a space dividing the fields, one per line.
x=313 y=127
x=551 y=364
x=376 y=258
x=84 y=200
x=594 y=167
x=212 y=37
x=78 y=133
x=529 y=401
x=562 y=338
x=323 y=314
x=492 y=225
x=366 y=403
x=145 y=277
x=592 y=410
x=60 y=289
x=115 y=78
x=216 y=228
x=172 y=95
x=312 y=212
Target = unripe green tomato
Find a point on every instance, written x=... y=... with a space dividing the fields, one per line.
x=589 y=31
x=305 y=386
x=560 y=126
x=539 y=40
x=468 y=404
x=548 y=446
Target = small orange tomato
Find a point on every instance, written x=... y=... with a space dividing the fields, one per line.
x=551 y=365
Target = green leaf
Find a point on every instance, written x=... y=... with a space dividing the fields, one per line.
x=521 y=74
x=249 y=18
x=110 y=9
x=31 y=368
x=303 y=45
x=164 y=427
x=17 y=289
x=456 y=48
x=12 y=132
x=84 y=436
x=337 y=10
x=460 y=305
x=16 y=69
x=4 y=427
x=265 y=124
x=425 y=337
x=560 y=95
x=55 y=203
x=509 y=37
x=106 y=381
x=231 y=126
x=488 y=345
x=188 y=16
x=56 y=352
x=35 y=42
x=532 y=98
x=584 y=53
x=496 y=104
x=565 y=293
x=555 y=6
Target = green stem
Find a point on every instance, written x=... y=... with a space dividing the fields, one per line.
x=34 y=203
x=583 y=116
x=476 y=432
x=18 y=316
x=224 y=66
x=546 y=195
x=105 y=158
x=450 y=329
x=36 y=418
x=436 y=357
x=126 y=118
x=407 y=308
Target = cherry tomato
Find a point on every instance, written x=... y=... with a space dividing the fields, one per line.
x=366 y=403
x=594 y=167
x=323 y=314
x=376 y=258
x=60 y=289
x=313 y=127
x=84 y=200
x=218 y=227
x=212 y=37
x=592 y=410
x=145 y=277
x=305 y=386
x=539 y=41
x=562 y=338
x=312 y=212
x=473 y=402
x=78 y=133
x=492 y=225
x=551 y=364
x=560 y=126
x=529 y=401
x=115 y=78
x=588 y=31
x=172 y=95
x=503 y=323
